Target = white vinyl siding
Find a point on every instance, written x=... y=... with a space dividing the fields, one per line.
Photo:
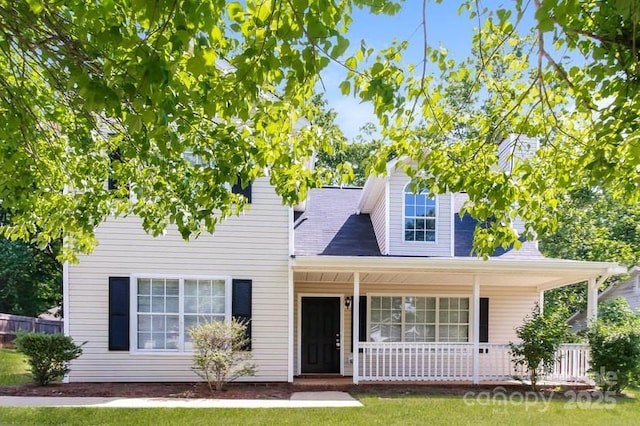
x=508 y=307
x=397 y=245
x=459 y=199
x=251 y=246
x=378 y=219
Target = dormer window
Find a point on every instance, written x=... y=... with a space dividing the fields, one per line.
x=419 y=214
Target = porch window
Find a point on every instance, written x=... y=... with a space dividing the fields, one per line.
x=167 y=307
x=419 y=215
x=419 y=319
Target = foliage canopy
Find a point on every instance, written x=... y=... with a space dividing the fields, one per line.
x=231 y=84
x=571 y=82
x=614 y=339
x=591 y=226
x=144 y=83
x=30 y=279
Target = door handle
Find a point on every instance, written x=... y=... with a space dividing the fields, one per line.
x=338 y=341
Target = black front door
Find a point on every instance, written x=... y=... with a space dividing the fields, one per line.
x=320 y=335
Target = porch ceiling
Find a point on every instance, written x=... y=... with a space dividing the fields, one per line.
x=543 y=273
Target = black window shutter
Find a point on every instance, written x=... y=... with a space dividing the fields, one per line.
x=241 y=305
x=119 y=288
x=363 y=322
x=239 y=189
x=484 y=320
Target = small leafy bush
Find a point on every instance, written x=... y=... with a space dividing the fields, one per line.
x=48 y=355
x=541 y=336
x=219 y=354
x=614 y=339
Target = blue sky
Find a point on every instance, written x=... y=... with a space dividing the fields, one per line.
x=444 y=27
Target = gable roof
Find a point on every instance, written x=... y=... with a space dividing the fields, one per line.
x=330 y=226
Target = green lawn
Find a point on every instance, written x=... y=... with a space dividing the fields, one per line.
x=403 y=410
x=13 y=369
x=582 y=409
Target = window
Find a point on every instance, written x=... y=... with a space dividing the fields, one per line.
x=419 y=319
x=167 y=307
x=454 y=319
x=419 y=215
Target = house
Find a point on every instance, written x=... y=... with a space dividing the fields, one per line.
x=629 y=289
x=376 y=283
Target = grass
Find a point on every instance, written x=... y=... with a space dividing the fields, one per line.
x=413 y=410
x=13 y=369
x=578 y=409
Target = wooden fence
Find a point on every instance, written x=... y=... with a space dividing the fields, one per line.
x=10 y=324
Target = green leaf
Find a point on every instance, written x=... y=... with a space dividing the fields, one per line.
x=235 y=11
x=345 y=87
x=341 y=47
x=36 y=6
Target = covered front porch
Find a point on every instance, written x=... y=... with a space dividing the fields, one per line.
x=427 y=319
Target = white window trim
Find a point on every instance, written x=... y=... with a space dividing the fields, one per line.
x=133 y=309
x=437 y=323
x=436 y=218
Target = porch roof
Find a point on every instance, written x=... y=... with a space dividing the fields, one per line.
x=542 y=273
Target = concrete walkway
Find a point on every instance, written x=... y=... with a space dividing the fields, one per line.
x=298 y=400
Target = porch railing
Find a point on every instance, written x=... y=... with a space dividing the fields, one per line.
x=416 y=361
x=573 y=364
x=405 y=361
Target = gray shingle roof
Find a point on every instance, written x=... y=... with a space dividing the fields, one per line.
x=463 y=242
x=463 y=227
x=329 y=225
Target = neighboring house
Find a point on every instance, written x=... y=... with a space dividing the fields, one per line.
x=375 y=283
x=629 y=289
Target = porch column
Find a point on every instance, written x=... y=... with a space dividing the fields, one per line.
x=355 y=312
x=290 y=303
x=476 y=329
x=592 y=300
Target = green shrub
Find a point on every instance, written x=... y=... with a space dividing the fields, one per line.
x=614 y=339
x=219 y=354
x=541 y=336
x=48 y=355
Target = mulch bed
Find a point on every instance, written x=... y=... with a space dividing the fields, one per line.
x=249 y=390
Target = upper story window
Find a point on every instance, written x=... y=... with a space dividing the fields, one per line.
x=419 y=215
